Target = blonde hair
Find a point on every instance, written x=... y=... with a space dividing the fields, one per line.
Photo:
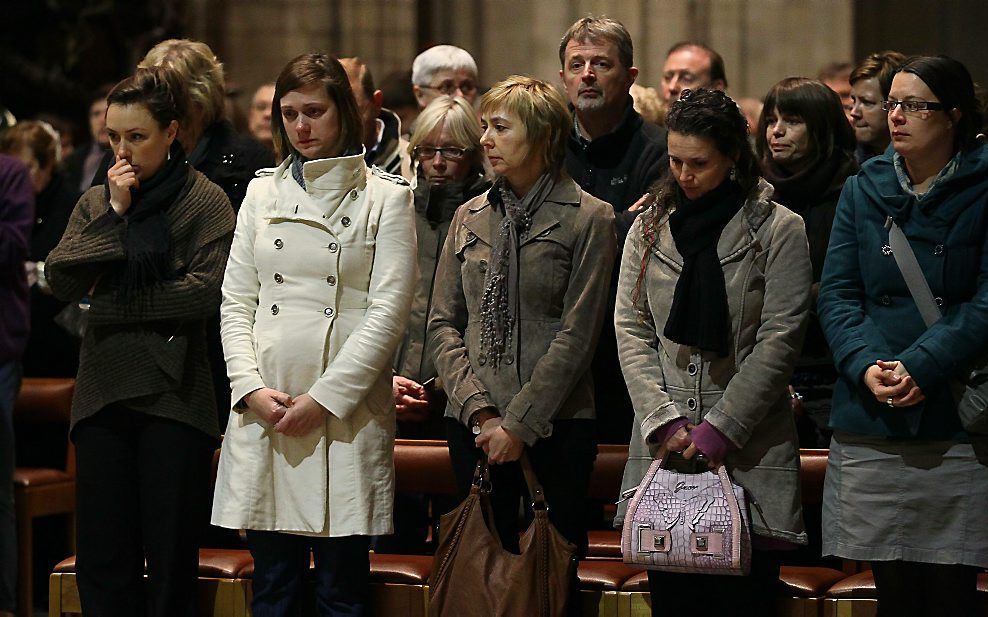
x=196 y=64
x=460 y=120
x=540 y=108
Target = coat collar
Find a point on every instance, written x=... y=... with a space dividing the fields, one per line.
x=738 y=235
x=327 y=183
x=565 y=192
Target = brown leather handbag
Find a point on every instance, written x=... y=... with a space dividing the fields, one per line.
x=474 y=576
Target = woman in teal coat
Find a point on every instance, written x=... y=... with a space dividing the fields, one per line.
x=905 y=489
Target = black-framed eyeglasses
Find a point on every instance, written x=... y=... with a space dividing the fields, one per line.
x=424 y=153
x=913 y=106
x=450 y=87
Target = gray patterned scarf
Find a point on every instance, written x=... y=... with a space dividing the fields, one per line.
x=500 y=303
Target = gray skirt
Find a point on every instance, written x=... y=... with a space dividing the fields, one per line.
x=924 y=501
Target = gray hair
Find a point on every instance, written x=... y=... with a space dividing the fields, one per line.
x=440 y=57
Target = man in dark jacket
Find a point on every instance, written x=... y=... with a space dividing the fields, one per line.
x=383 y=143
x=614 y=155
x=16 y=218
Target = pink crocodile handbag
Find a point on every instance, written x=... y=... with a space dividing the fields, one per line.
x=679 y=522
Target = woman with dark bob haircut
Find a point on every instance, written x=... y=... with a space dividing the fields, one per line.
x=519 y=299
x=905 y=488
x=147 y=247
x=315 y=300
x=806 y=149
x=712 y=302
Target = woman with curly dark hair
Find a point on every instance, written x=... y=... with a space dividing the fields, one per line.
x=712 y=303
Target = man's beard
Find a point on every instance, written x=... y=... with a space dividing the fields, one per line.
x=590 y=104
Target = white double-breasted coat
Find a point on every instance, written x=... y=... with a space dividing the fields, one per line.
x=316 y=298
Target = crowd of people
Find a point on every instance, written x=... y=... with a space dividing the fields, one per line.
x=526 y=268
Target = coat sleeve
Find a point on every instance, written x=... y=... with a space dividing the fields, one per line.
x=241 y=288
x=529 y=414
x=16 y=217
x=447 y=325
x=370 y=348
x=948 y=347
x=855 y=341
x=763 y=374
x=637 y=342
x=93 y=242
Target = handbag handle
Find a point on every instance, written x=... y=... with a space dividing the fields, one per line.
x=534 y=487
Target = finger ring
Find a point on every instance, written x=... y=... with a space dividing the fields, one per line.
x=889 y=402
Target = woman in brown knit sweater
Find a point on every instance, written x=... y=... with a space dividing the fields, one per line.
x=148 y=249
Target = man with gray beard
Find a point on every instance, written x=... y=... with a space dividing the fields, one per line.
x=614 y=155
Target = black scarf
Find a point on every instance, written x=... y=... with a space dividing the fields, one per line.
x=700 y=316
x=818 y=182
x=438 y=203
x=148 y=241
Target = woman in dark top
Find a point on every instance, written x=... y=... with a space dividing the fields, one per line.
x=448 y=159
x=148 y=247
x=51 y=351
x=905 y=488
x=806 y=149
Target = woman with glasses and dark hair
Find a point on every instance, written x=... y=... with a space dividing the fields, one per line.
x=519 y=299
x=905 y=488
x=712 y=302
x=448 y=160
x=315 y=299
x=806 y=149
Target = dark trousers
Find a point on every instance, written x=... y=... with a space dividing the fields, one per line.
x=281 y=561
x=699 y=595
x=562 y=462
x=911 y=589
x=10 y=383
x=142 y=494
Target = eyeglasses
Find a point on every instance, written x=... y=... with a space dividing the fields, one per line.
x=450 y=87
x=424 y=153
x=912 y=106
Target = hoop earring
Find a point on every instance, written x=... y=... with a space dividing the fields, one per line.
x=734 y=173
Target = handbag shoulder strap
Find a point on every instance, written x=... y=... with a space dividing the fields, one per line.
x=534 y=487
x=918 y=286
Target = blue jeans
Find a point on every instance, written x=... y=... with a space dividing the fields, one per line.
x=10 y=383
x=281 y=561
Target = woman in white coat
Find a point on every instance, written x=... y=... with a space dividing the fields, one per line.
x=315 y=301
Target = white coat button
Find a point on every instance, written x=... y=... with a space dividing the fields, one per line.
x=328 y=312
x=331 y=279
x=274 y=309
x=691 y=403
x=353 y=194
x=333 y=247
x=346 y=221
x=691 y=369
x=278 y=278
x=279 y=243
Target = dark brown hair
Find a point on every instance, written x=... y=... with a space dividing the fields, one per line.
x=708 y=114
x=818 y=106
x=323 y=69
x=157 y=88
x=951 y=83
